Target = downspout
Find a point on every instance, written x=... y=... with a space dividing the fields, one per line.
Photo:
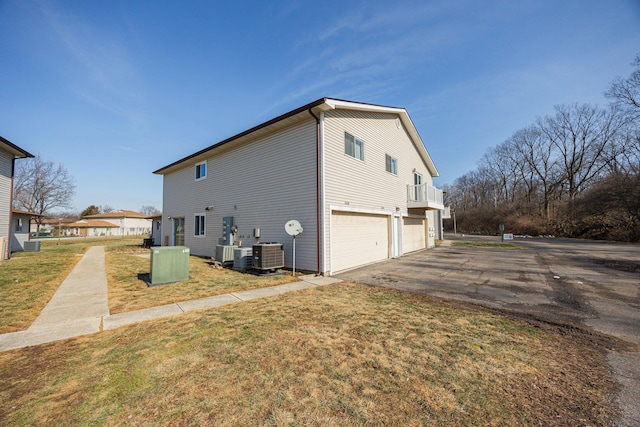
x=319 y=206
x=13 y=170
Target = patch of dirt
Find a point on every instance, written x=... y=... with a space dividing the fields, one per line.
x=630 y=267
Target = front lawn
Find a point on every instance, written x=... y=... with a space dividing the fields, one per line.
x=339 y=355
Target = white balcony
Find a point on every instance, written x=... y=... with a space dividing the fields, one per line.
x=424 y=196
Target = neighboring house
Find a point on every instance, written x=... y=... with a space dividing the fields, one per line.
x=156 y=229
x=9 y=152
x=21 y=224
x=128 y=223
x=90 y=228
x=356 y=176
x=48 y=226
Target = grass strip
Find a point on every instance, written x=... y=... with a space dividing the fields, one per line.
x=128 y=291
x=487 y=245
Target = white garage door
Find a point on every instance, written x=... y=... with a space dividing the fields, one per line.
x=413 y=235
x=358 y=239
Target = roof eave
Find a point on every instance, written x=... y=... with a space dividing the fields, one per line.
x=323 y=104
x=14 y=149
x=173 y=166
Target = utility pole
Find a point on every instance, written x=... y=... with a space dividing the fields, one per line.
x=455 y=227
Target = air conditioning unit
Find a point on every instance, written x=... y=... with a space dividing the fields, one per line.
x=268 y=256
x=242 y=258
x=224 y=254
x=33 y=246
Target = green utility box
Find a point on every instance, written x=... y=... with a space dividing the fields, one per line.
x=169 y=264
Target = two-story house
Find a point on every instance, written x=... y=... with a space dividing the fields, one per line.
x=9 y=152
x=356 y=176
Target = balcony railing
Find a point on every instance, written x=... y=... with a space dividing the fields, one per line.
x=424 y=196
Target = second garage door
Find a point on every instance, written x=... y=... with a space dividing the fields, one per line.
x=413 y=234
x=358 y=239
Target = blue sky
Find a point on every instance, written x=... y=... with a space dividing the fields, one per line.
x=114 y=90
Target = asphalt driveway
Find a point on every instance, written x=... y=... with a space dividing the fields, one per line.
x=587 y=285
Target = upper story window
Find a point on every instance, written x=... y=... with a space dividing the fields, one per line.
x=201 y=170
x=200 y=223
x=391 y=164
x=353 y=146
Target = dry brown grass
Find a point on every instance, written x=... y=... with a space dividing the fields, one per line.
x=128 y=291
x=339 y=355
x=29 y=279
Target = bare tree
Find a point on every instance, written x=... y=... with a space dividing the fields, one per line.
x=538 y=154
x=106 y=209
x=582 y=136
x=626 y=92
x=41 y=186
x=149 y=210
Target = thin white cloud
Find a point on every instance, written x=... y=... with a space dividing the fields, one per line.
x=129 y=149
x=97 y=65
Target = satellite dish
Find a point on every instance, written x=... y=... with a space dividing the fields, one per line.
x=293 y=228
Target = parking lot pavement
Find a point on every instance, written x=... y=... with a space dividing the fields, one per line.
x=583 y=284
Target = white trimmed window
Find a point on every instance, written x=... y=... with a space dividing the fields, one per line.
x=19 y=224
x=391 y=164
x=353 y=146
x=201 y=170
x=200 y=223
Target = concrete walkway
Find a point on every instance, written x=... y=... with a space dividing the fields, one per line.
x=80 y=305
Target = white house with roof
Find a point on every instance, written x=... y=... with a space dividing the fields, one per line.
x=127 y=223
x=90 y=228
x=356 y=176
x=9 y=152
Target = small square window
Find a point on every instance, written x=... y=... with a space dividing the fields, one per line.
x=201 y=170
x=200 y=223
x=391 y=164
x=353 y=146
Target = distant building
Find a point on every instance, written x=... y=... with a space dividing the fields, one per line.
x=156 y=229
x=21 y=224
x=116 y=223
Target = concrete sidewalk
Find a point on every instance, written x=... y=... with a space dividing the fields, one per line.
x=130 y=317
x=80 y=305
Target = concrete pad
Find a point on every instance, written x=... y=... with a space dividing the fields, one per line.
x=208 y=302
x=271 y=291
x=131 y=317
x=319 y=280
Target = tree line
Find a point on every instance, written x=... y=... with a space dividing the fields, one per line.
x=574 y=173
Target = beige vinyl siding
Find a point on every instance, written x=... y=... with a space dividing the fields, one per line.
x=262 y=184
x=414 y=234
x=6 y=160
x=366 y=185
x=358 y=239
